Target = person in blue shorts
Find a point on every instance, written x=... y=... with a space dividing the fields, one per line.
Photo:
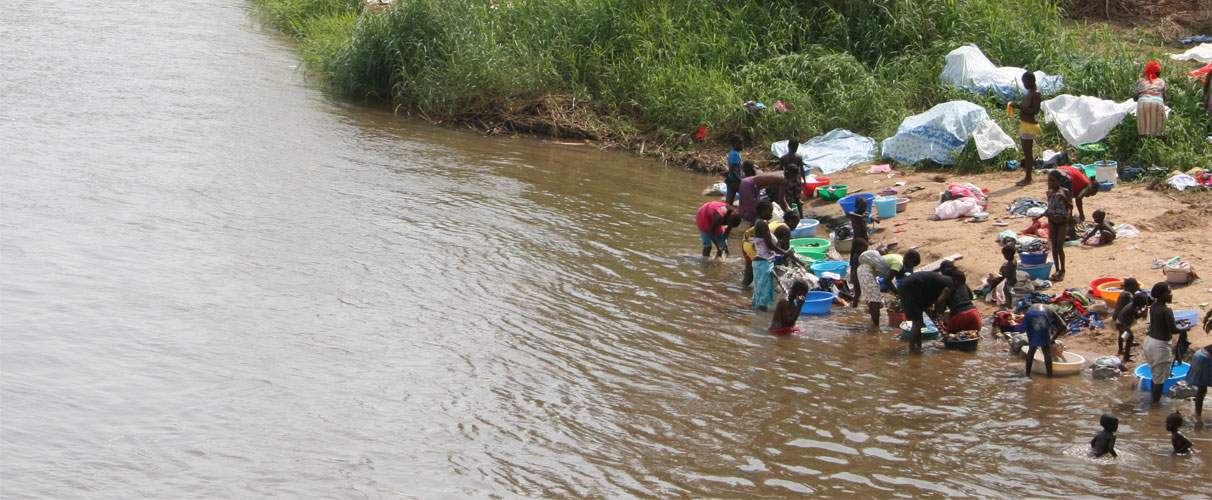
x=1043 y=326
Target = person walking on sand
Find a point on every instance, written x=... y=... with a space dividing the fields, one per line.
x=1028 y=127
x=1150 y=96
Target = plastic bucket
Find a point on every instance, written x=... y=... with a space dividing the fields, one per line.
x=895 y=317
x=830 y=266
x=843 y=246
x=1089 y=170
x=885 y=206
x=1189 y=316
x=1145 y=375
x=812 y=248
x=806 y=228
x=1033 y=258
x=1105 y=186
x=1098 y=281
x=831 y=192
x=847 y=202
x=1037 y=271
x=1106 y=171
x=967 y=345
x=817 y=303
x=811 y=186
x=929 y=331
x=1110 y=291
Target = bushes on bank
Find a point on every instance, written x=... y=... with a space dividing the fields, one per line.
x=664 y=68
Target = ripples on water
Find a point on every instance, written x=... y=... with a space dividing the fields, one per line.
x=217 y=281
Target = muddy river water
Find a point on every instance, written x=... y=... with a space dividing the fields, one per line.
x=218 y=281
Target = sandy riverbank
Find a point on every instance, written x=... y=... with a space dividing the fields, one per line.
x=1170 y=224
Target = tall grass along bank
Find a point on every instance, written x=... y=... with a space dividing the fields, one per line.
x=641 y=72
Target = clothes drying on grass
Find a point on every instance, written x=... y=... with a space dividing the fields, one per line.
x=832 y=152
x=1195 y=39
x=1199 y=53
x=1085 y=119
x=940 y=133
x=967 y=68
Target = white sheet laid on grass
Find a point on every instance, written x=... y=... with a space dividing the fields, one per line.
x=832 y=152
x=968 y=68
x=1085 y=119
x=1200 y=53
x=940 y=134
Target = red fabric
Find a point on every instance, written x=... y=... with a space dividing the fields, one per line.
x=702 y=219
x=700 y=135
x=786 y=330
x=969 y=320
x=1201 y=72
x=1037 y=228
x=1077 y=177
x=1152 y=69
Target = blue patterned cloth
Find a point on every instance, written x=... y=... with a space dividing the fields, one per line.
x=763 y=283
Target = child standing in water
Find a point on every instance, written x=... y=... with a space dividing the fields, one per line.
x=1104 y=442
x=766 y=249
x=1181 y=444
x=788 y=310
x=1028 y=127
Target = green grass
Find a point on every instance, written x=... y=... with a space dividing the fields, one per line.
x=660 y=69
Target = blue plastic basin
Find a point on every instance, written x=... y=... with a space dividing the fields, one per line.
x=1033 y=258
x=806 y=229
x=847 y=202
x=1145 y=374
x=830 y=266
x=817 y=304
x=1037 y=271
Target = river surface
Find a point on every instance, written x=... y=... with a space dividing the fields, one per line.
x=218 y=281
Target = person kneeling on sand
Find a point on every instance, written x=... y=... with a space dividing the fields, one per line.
x=1102 y=233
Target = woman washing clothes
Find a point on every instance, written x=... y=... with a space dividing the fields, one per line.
x=962 y=316
x=1150 y=96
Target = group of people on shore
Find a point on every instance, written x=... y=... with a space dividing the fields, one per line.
x=942 y=294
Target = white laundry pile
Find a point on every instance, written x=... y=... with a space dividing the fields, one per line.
x=940 y=134
x=968 y=68
x=832 y=152
x=1201 y=53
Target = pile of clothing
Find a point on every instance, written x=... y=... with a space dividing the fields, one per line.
x=1026 y=207
x=961 y=200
